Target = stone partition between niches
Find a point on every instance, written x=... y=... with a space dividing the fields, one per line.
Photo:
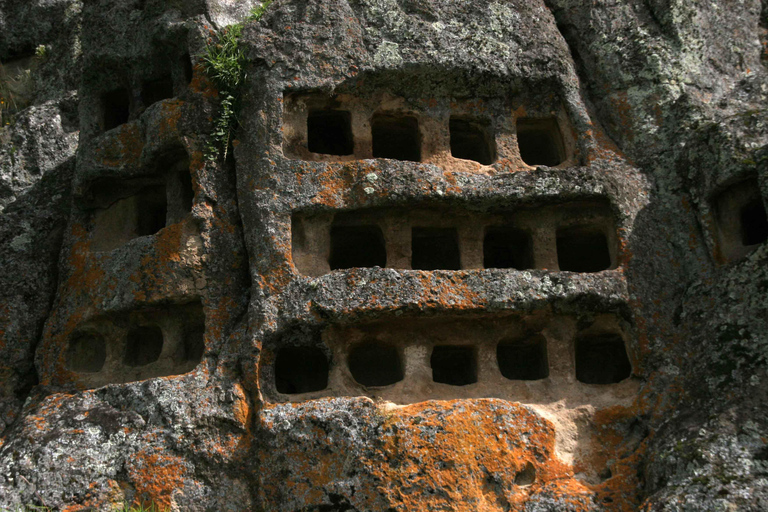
x=124 y=209
x=455 y=134
x=534 y=358
x=137 y=345
x=577 y=236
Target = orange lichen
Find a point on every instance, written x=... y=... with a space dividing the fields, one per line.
x=121 y=147
x=155 y=475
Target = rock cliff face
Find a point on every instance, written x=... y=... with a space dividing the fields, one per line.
x=492 y=255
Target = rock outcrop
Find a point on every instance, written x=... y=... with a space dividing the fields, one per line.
x=492 y=255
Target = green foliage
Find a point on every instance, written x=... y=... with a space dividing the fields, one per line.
x=225 y=64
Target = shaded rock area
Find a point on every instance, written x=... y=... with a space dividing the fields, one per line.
x=493 y=255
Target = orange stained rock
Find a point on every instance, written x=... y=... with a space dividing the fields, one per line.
x=122 y=147
x=155 y=476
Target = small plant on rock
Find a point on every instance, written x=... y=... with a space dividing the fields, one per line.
x=225 y=64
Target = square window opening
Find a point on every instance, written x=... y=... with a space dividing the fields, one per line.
x=454 y=365
x=152 y=209
x=523 y=359
x=357 y=246
x=301 y=370
x=396 y=137
x=157 y=90
x=435 y=249
x=602 y=359
x=375 y=364
x=582 y=249
x=505 y=247
x=540 y=142
x=115 y=108
x=472 y=140
x=329 y=132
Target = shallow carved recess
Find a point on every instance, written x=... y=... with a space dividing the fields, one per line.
x=535 y=358
x=137 y=345
x=124 y=209
x=575 y=236
x=741 y=222
x=465 y=135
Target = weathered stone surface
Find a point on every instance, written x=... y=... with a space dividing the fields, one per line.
x=117 y=230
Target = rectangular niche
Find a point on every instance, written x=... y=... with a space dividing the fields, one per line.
x=329 y=132
x=115 y=108
x=741 y=219
x=137 y=345
x=396 y=136
x=540 y=141
x=507 y=247
x=523 y=358
x=583 y=248
x=472 y=139
x=536 y=357
x=156 y=90
x=435 y=249
x=136 y=207
x=357 y=246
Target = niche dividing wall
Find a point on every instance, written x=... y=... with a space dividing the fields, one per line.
x=137 y=345
x=536 y=357
x=573 y=237
x=124 y=209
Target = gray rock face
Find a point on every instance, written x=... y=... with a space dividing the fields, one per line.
x=460 y=256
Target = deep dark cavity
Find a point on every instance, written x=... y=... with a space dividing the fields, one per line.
x=376 y=364
x=329 y=132
x=300 y=370
x=540 y=142
x=357 y=246
x=435 y=249
x=396 y=136
x=582 y=249
x=144 y=345
x=505 y=247
x=472 y=140
x=157 y=90
x=454 y=365
x=754 y=224
x=115 y=108
x=602 y=359
x=87 y=352
x=151 y=211
x=523 y=359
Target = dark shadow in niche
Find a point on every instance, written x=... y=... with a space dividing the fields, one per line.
x=505 y=247
x=87 y=352
x=152 y=209
x=601 y=359
x=472 y=140
x=186 y=64
x=194 y=343
x=375 y=364
x=435 y=249
x=115 y=108
x=540 y=142
x=157 y=90
x=143 y=345
x=741 y=218
x=582 y=249
x=396 y=136
x=357 y=246
x=187 y=191
x=329 y=132
x=523 y=359
x=300 y=370
x=454 y=364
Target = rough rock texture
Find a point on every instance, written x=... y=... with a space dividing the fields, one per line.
x=117 y=232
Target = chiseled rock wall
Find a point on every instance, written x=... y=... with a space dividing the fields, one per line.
x=179 y=330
